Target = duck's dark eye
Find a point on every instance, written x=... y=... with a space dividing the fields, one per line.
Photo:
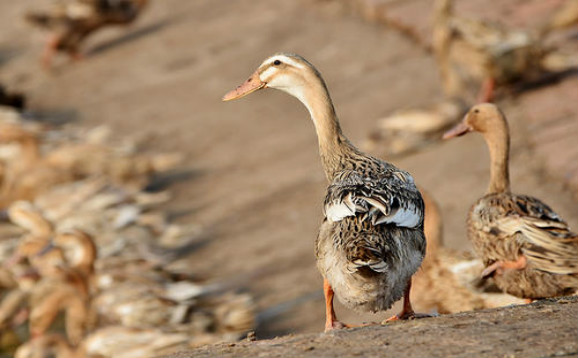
x=277 y=62
x=476 y=110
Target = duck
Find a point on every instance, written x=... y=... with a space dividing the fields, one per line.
x=62 y=264
x=26 y=175
x=71 y=22
x=471 y=53
x=449 y=280
x=408 y=130
x=39 y=232
x=371 y=240
x=526 y=247
x=79 y=250
x=52 y=295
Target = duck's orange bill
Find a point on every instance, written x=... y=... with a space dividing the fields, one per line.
x=460 y=129
x=251 y=85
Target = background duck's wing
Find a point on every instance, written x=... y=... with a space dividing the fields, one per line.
x=390 y=198
x=545 y=238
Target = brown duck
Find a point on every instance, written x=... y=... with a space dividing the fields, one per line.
x=524 y=244
x=371 y=240
x=71 y=22
x=471 y=52
x=449 y=280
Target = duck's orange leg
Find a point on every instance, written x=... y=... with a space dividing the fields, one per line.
x=407 y=312
x=331 y=321
x=487 y=91
x=500 y=266
x=49 y=51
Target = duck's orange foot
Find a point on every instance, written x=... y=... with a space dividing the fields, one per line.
x=330 y=326
x=499 y=267
x=404 y=316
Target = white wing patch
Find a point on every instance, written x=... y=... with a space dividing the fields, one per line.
x=403 y=217
x=337 y=211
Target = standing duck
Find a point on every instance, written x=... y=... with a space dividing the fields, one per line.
x=72 y=21
x=527 y=248
x=371 y=241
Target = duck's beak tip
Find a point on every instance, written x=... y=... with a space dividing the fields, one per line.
x=251 y=85
x=458 y=130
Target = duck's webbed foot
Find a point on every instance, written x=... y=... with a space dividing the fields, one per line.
x=331 y=321
x=334 y=324
x=404 y=316
x=407 y=312
x=499 y=267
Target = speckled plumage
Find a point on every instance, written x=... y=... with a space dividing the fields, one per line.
x=368 y=263
x=503 y=226
x=371 y=241
x=530 y=251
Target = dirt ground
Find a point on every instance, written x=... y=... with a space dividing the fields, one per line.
x=542 y=329
x=253 y=177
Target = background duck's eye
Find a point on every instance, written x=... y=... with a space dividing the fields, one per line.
x=277 y=62
x=476 y=110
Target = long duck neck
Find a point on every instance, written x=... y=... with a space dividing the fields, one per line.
x=498 y=142
x=333 y=145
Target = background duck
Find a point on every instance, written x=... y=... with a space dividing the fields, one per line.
x=25 y=173
x=96 y=250
x=371 y=241
x=409 y=130
x=39 y=231
x=449 y=281
x=70 y=22
x=471 y=53
x=527 y=248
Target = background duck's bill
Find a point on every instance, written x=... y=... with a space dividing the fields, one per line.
x=460 y=129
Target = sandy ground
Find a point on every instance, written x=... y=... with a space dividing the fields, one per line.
x=253 y=177
x=542 y=329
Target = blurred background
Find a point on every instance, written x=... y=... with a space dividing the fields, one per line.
x=212 y=209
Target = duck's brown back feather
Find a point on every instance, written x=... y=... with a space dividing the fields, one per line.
x=503 y=226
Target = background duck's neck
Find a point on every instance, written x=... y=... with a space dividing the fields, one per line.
x=499 y=145
x=333 y=145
